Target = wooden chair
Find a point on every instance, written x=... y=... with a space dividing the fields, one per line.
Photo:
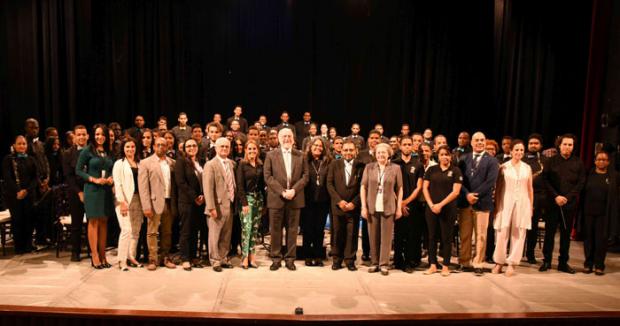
x=63 y=231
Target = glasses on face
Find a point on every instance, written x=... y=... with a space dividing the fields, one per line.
x=191 y=145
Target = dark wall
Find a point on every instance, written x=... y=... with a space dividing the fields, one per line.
x=504 y=67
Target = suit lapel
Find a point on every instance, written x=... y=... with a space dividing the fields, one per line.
x=157 y=169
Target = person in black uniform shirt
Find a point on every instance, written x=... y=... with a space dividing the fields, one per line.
x=408 y=229
x=19 y=172
x=75 y=191
x=356 y=138
x=314 y=214
x=442 y=185
x=136 y=131
x=536 y=161
x=464 y=142
x=302 y=129
x=564 y=177
x=343 y=185
x=600 y=210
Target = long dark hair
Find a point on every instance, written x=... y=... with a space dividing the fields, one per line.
x=128 y=139
x=325 y=154
x=106 y=144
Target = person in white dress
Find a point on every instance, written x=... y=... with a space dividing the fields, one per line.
x=514 y=206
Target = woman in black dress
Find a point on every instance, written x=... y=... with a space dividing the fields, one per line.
x=19 y=172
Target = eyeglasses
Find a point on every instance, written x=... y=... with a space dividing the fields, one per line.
x=191 y=145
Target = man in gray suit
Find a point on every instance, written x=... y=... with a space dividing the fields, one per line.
x=218 y=181
x=286 y=175
x=155 y=186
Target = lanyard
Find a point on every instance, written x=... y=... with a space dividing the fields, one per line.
x=381 y=177
x=318 y=171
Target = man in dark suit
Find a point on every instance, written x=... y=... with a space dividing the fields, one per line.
x=286 y=175
x=284 y=118
x=243 y=123
x=475 y=201
x=343 y=185
x=75 y=190
x=136 y=131
x=356 y=138
x=367 y=156
x=42 y=197
x=302 y=129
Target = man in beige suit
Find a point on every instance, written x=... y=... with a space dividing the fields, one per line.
x=218 y=181
x=286 y=175
x=155 y=186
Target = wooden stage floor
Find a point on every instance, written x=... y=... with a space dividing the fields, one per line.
x=40 y=281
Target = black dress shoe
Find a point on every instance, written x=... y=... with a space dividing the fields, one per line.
x=373 y=269
x=309 y=262
x=318 y=263
x=532 y=261
x=544 y=267
x=408 y=269
x=588 y=270
x=365 y=258
x=275 y=266
x=351 y=267
x=290 y=266
x=566 y=269
x=599 y=272
x=217 y=268
x=336 y=267
x=478 y=271
x=75 y=257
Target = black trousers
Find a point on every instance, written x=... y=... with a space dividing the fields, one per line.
x=365 y=239
x=595 y=241
x=445 y=222
x=143 y=248
x=22 y=225
x=44 y=221
x=278 y=218
x=404 y=240
x=76 y=207
x=203 y=236
x=490 y=246
x=235 y=237
x=553 y=221
x=532 y=234
x=190 y=218
x=313 y=218
x=345 y=235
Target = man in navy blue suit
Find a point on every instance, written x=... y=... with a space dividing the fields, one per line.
x=479 y=171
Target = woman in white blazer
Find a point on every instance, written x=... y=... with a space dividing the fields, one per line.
x=128 y=208
x=514 y=206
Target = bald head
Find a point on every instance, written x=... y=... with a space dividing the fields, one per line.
x=478 y=142
x=285 y=137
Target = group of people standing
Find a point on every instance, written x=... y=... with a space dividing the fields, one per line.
x=217 y=190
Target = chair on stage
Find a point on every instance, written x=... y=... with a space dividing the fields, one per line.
x=63 y=231
x=5 y=229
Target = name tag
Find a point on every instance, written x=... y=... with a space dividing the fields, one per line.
x=449 y=174
x=412 y=170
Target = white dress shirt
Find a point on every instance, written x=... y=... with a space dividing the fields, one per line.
x=165 y=172
x=286 y=155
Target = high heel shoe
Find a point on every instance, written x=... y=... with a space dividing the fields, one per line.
x=106 y=265
x=123 y=268
x=92 y=264
x=134 y=264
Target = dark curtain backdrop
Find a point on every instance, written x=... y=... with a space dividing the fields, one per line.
x=501 y=66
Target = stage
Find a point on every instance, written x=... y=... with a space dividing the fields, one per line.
x=38 y=283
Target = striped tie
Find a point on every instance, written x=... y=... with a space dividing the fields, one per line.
x=230 y=182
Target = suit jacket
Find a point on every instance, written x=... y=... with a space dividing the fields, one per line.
x=151 y=184
x=365 y=157
x=302 y=130
x=69 y=162
x=392 y=182
x=215 y=189
x=124 y=187
x=338 y=190
x=275 y=178
x=479 y=180
x=186 y=179
x=243 y=123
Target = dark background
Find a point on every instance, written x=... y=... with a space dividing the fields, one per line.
x=501 y=66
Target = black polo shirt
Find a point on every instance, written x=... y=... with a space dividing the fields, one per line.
x=442 y=182
x=412 y=171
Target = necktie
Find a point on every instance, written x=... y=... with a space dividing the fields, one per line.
x=477 y=160
x=230 y=182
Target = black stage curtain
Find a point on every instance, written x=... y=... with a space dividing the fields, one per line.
x=501 y=66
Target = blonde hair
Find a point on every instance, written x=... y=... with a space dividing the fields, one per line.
x=387 y=147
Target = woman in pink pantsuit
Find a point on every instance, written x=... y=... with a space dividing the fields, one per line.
x=514 y=206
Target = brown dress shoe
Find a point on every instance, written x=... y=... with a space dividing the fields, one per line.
x=169 y=264
x=151 y=266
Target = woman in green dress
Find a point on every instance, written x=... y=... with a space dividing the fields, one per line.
x=95 y=167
